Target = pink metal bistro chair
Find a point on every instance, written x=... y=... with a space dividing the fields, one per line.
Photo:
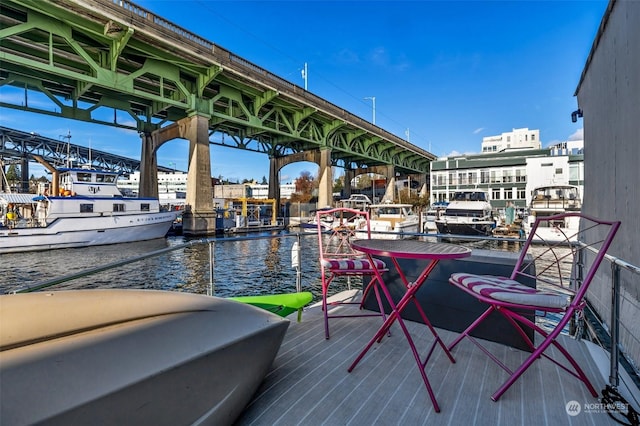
x=338 y=258
x=563 y=264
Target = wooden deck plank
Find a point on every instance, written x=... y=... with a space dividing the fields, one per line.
x=309 y=383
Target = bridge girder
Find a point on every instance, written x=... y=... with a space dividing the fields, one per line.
x=92 y=56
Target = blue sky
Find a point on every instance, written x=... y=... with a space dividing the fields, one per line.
x=443 y=73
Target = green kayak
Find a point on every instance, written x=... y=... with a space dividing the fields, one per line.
x=280 y=304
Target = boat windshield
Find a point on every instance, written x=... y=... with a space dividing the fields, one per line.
x=470 y=196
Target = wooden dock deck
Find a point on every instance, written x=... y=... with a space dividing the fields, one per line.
x=309 y=383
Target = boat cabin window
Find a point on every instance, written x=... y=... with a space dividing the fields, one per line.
x=106 y=178
x=144 y=207
x=86 y=208
x=84 y=177
x=118 y=207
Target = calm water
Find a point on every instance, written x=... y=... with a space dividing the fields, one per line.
x=241 y=267
x=259 y=266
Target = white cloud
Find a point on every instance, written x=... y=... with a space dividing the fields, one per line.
x=478 y=130
x=578 y=135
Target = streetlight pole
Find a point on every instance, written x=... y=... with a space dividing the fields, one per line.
x=305 y=75
x=373 y=101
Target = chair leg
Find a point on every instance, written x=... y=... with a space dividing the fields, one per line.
x=549 y=339
x=471 y=327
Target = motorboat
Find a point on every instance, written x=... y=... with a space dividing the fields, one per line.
x=131 y=357
x=326 y=223
x=393 y=221
x=435 y=211
x=84 y=207
x=550 y=200
x=356 y=201
x=468 y=213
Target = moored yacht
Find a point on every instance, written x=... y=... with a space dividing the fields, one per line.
x=550 y=200
x=468 y=213
x=392 y=221
x=84 y=208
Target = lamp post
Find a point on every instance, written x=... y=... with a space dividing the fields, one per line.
x=305 y=75
x=373 y=101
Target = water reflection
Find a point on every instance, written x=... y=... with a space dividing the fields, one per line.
x=249 y=267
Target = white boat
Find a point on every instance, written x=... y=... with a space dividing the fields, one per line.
x=131 y=357
x=392 y=221
x=356 y=201
x=85 y=208
x=551 y=200
x=468 y=213
x=435 y=211
x=312 y=225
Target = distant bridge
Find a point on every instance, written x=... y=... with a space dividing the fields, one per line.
x=99 y=58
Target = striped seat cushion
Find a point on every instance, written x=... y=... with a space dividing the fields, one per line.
x=509 y=291
x=361 y=264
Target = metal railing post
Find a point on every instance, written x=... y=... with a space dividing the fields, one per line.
x=615 y=324
x=212 y=261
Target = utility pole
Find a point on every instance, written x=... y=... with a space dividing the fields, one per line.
x=373 y=101
x=305 y=75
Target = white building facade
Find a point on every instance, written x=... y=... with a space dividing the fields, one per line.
x=516 y=139
x=508 y=176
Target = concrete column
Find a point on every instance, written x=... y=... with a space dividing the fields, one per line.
x=274 y=180
x=390 y=193
x=148 y=166
x=348 y=177
x=24 y=179
x=199 y=217
x=325 y=177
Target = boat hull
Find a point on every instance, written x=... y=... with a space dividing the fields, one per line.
x=87 y=231
x=465 y=228
x=132 y=357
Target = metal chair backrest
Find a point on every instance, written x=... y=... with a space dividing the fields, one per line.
x=337 y=228
x=565 y=251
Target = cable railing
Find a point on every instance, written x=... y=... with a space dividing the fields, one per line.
x=290 y=260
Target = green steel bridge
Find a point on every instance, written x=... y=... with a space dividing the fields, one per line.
x=90 y=56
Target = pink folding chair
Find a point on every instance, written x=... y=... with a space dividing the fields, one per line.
x=563 y=264
x=336 y=228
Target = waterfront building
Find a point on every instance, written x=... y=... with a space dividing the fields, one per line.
x=514 y=140
x=509 y=175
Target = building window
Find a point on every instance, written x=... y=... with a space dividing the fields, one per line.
x=508 y=194
x=507 y=176
x=495 y=194
x=558 y=171
x=462 y=178
x=495 y=176
x=533 y=137
x=86 y=208
x=473 y=178
x=522 y=194
x=452 y=179
x=520 y=175
x=484 y=176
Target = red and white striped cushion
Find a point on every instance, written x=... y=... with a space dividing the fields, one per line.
x=362 y=264
x=507 y=290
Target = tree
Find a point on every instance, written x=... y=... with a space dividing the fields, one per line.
x=264 y=181
x=305 y=185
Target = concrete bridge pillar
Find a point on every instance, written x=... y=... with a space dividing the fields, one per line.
x=325 y=179
x=149 y=166
x=389 y=193
x=349 y=174
x=199 y=217
x=274 y=179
